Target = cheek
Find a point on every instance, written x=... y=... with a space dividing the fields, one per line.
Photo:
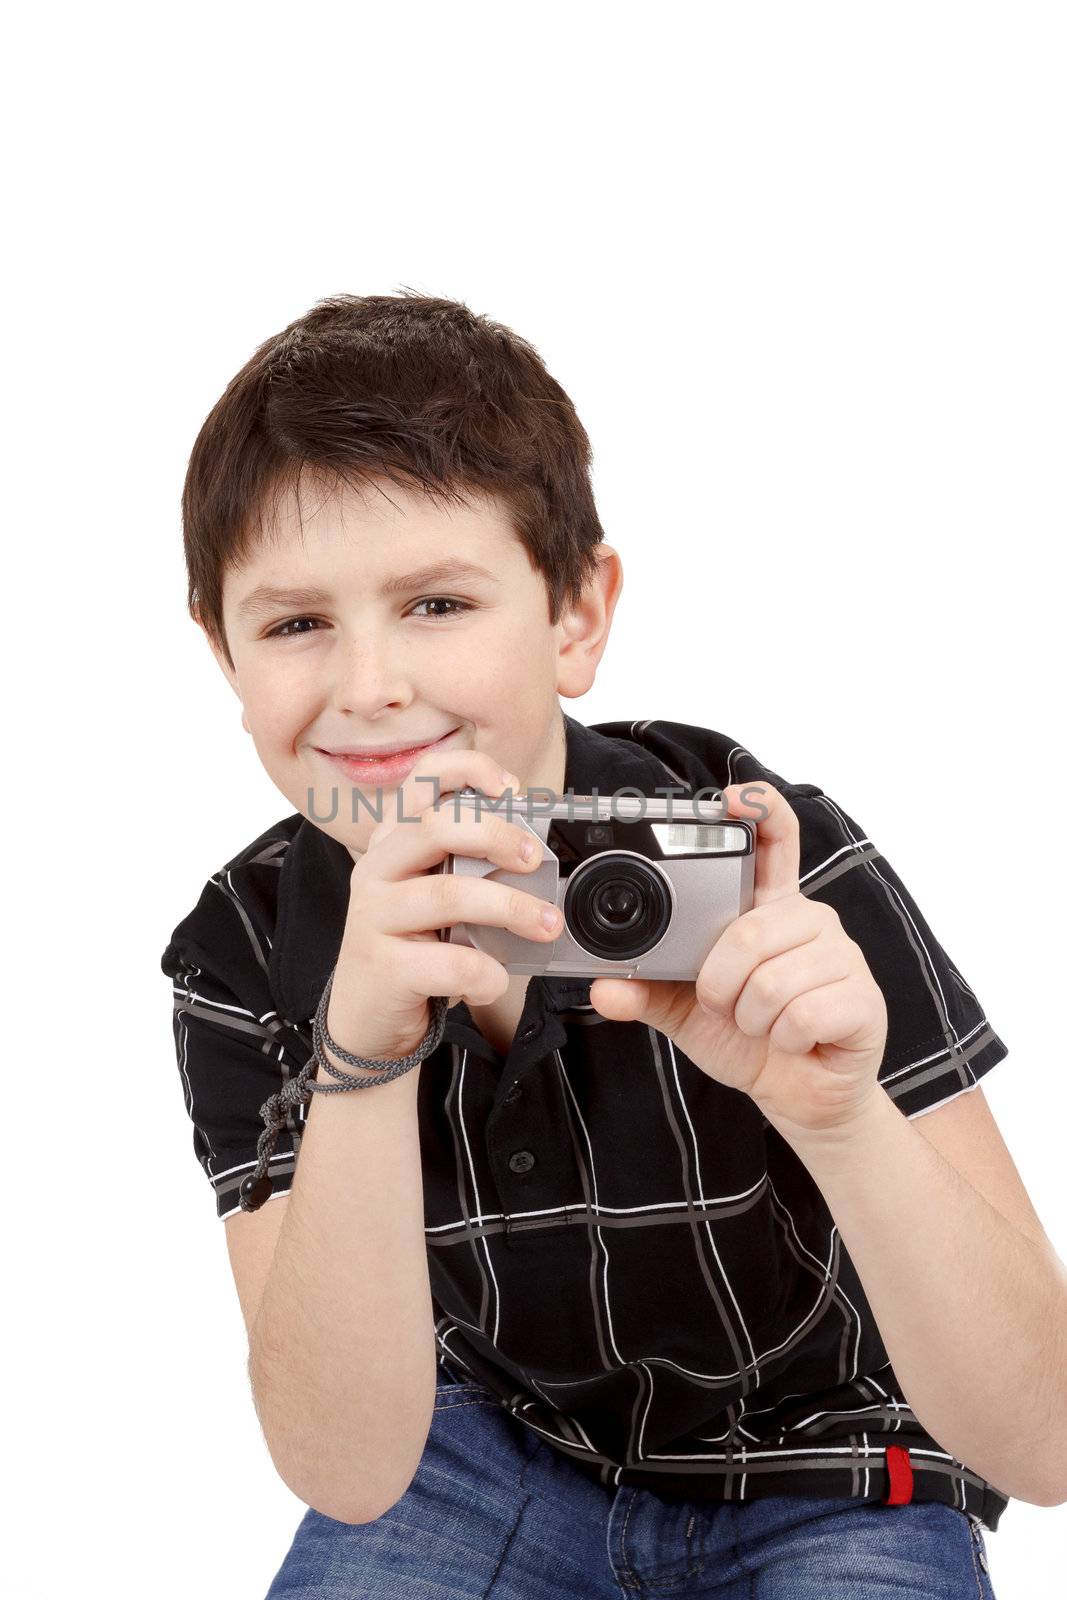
x=516 y=658
x=276 y=710
x=467 y=674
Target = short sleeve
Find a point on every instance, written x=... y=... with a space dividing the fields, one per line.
x=232 y=1055
x=939 y=1042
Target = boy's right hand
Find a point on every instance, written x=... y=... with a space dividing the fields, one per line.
x=391 y=959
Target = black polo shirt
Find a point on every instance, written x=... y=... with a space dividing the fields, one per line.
x=622 y=1250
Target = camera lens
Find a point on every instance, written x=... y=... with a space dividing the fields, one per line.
x=617 y=907
x=616 y=904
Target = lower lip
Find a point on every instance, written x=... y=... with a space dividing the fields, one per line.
x=390 y=769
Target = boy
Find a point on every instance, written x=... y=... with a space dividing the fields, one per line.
x=623 y=1282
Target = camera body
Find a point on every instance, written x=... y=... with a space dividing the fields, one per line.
x=646 y=886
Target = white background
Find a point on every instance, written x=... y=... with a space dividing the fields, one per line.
x=801 y=269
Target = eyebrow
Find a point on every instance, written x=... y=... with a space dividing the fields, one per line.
x=266 y=598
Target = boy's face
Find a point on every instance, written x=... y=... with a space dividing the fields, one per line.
x=373 y=661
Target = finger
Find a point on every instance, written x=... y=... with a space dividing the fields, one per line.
x=619 y=999
x=777 y=837
x=456 y=970
x=754 y=937
x=774 y=984
x=417 y=844
x=839 y=1014
x=662 y=1004
x=441 y=900
x=436 y=774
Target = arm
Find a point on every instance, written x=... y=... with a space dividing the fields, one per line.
x=972 y=1311
x=972 y=1308
x=342 y=1350
x=341 y=1346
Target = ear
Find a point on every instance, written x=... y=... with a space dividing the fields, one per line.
x=584 y=628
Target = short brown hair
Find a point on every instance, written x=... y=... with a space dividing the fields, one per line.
x=415 y=389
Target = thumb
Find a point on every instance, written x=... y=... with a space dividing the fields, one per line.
x=661 y=1005
x=619 y=999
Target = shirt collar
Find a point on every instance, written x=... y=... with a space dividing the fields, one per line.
x=317 y=869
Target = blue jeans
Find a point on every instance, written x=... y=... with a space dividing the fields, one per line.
x=494 y=1510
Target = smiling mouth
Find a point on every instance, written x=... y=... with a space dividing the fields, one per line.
x=391 y=758
x=387 y=756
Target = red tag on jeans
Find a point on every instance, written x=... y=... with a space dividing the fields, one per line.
x=901 y=1482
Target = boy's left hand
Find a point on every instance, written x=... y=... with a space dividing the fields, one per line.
x=797 y=1020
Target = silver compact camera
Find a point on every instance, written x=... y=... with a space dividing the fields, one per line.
x=645 y=886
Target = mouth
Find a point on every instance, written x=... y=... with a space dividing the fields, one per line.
x=367 y=768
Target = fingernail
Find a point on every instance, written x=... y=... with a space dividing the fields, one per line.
x=508 y=779
x=550 y=917
x=705 y=1005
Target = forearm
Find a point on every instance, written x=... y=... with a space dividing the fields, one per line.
x=342 y=1354
x=973 y=1314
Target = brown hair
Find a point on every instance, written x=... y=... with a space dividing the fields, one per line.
x=407 y=387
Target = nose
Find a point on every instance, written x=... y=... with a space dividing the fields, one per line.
x=369 y=675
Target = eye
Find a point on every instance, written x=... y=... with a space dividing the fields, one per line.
x=444 y=600
x=280 y=631
x=286 y=630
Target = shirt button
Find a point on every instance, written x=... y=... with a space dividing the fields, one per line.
x=521 y=1161
x=513 y=1094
